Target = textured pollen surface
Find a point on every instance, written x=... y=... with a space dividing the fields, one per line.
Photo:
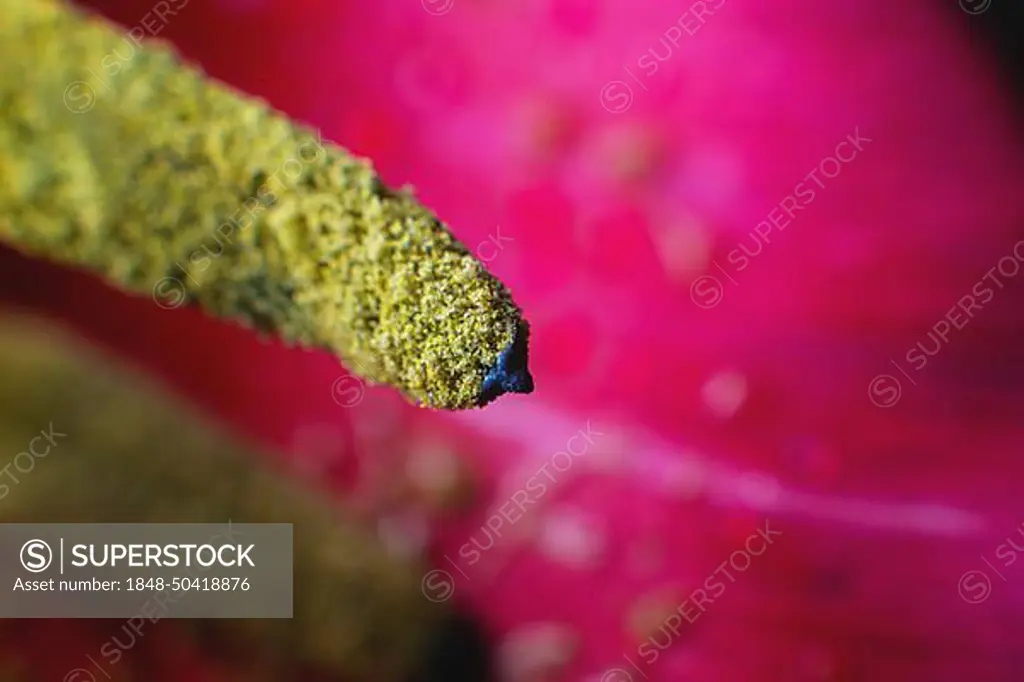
x=120 y=160
x=132 y=455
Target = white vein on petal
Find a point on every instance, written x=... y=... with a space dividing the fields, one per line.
x=654 y=462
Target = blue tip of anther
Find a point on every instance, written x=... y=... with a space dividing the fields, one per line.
x=510 y=373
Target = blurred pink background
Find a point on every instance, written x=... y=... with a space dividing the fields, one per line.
x=625 y=169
